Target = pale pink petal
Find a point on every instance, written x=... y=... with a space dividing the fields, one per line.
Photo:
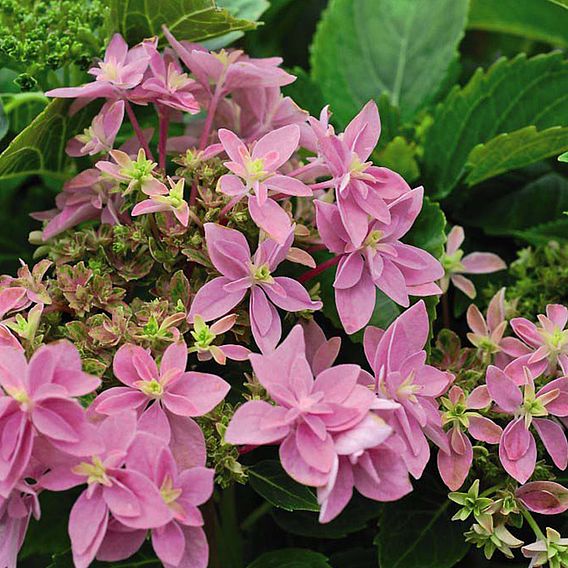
x=212 y=301
x=257 y=422
x=554 y=440
x=355 y=305
x=271 y=218
x=482 y=263
x=455 y=238
x=362 y=133
x=464 y=284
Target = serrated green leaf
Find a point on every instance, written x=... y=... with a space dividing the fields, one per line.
x=540 y=21
x=402 y=48
x=514 y=150
x=270 y=481
x=40 y=148
x=191 y=20
x=419 y=533
x=290 y=558
x=509 y=96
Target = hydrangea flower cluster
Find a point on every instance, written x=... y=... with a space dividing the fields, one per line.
x=176 y=263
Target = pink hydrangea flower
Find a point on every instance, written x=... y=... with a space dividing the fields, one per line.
x=395 y=268
x=230 y=254
x=114 y=486
x=85 y=197
x=254 y=112
x=164 y=199
x=370 y=459
x=361 y=189
x=256 y=172
x=229 y=70
x=156 y=392
x=37 y=399
x=543 y=344
x=308 y=411
x=181 y=542
x=122 y=69
x=31 y=281
x=455 y=264
x=12 y=298
x=167 y=85
x=205 y=335
x=15 y=514
x=101 y=134
x=487 y=334
x=459 y=413
x=398 y=360
x=543 y=497
x=517 y=447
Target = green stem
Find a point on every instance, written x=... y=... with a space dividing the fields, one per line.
x=257 y=514
x=533 y=524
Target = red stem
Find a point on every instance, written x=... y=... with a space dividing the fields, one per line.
x=319 y=269
x=227 y=208
x=164 y=117
x=138 y=130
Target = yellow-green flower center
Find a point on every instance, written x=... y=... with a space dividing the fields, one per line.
x=95 y=472
x=153 y=388
x=262 y=273
x=373 y=238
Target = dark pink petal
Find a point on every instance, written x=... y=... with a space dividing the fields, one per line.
x=544 y=497
x=120 y=542
x=196 y=551
x=554 y=440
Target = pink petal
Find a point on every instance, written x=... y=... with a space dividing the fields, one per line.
x=212 y=301
x=334 y=497
x=484 y=429
x=289 y=186
x=522 y=468
x=257 y=422
x=503 y=390
x=296 y=299
x=554 y=440
x=271 y=218
x=297 y=468
x=265 y=321
x=283 y=141
x=169 y=543
x=355 y=305
x=455 y=238
x=482 y=263
x=454 y=467
x=133 y=363
x=464 y=284
x=195 y=394
x=362 y=133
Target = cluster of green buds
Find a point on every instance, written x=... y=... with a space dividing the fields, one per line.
x=45 y=35
x=551 y=550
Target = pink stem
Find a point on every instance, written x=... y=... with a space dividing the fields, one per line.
x=193 y=194
x=322 y=184
x=319 y=269
x=138 y=130
x=164 y=116
x=210 y=116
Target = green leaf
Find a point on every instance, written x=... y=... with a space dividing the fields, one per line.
x=191 y=20
x=540 y=21
x=399 y=47
x=250 y=10
x=400 y=155
x=429 y=229
x=419 y=533
x=354 y=518
x=4 y=124
x=40 y=148
x=515 y=150
x=539 y=203
x=270 y=481
x=563 y=157
x=511 y=95
x=290 y=558
x=354 y=558
x=563 y=3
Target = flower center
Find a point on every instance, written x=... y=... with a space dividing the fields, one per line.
x=168 y=492
x=373 y=238
x=261 y=274
x=95 y=472
x=152 y=389
x=407 y=389
x=255 y=169
x=452 y=263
